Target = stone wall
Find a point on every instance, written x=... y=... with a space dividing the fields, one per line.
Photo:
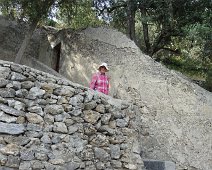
x=50 y=123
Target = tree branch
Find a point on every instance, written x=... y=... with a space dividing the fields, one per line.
x=175 y=51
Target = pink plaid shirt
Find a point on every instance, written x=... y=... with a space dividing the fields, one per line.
x=100 y=82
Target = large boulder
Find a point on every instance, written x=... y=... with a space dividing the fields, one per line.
x=177 y=113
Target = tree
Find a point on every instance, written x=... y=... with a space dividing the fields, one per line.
x=77 y=15
x=166 y=18
x=175 y=32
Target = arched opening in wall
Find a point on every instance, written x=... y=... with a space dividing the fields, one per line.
x=57 y=50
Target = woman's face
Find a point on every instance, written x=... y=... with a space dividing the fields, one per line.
x=102 y=70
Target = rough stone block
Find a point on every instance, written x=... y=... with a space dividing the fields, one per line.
x=12 y=129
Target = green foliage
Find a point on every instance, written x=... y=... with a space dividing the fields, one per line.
x=77 y=15
x=208 y=82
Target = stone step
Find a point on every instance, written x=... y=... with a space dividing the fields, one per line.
x=158 y=165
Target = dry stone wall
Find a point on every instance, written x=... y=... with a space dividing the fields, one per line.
x=50 y=123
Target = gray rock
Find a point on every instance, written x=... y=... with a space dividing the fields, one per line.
x=3 y=82
x=7 y=92
x=42 y=102
x=34 y=118
x=76 y=100
x=88 y=96
x=116 y=164
x=27 y=155
x=49 y=166
x=100 y=140
x=100 y=165
x=90 y=105
x=4 y=72
x=3 y=100
x=91 y=116
x=72 y=129
x=18 y=140
x=45 y=139
x=89 y=129
x=34 y=127
x=17 y=76
x=3 y=159
x=10 y=149
x=57 y=162
x=54 y=109
x=41 y=156
x=69 y=122
x=19 y=105
x=101 y=154
x=27 y=85
x=76 y=143
x=11 y=111
x=118 y=114
x=7 y=118
x=56 y=139
x=68 y=107
x=49 y=119
x=16 y=85
x=37 y=165
x=35 y=92
x=5 y=168
x=115 y=151
x=16 y=104
x=107 y=129
x=11 y=103
x=48 y=128
x=60 y=127
x=13 y=161
x=12 y=129
x=20 y=120
x=121 y=123
x=75 y=112
x=105 y=118
x=25 y=165
x=34 y=134
x=64 y=91
x=59 y=118
x=36 y=109
x=16 y=68
x=51 y=101
x=72 y=165
x=100 y=108
x=22 y=93
x=62 y=100
x=130 y=166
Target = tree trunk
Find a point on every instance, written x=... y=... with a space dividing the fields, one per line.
x=145 y=30
x=26 y=41
x=131 y=20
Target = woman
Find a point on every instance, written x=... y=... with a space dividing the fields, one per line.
x=100 y=81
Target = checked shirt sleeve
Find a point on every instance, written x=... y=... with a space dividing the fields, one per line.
x=93 y=81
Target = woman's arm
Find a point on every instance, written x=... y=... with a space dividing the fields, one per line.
x=93 y=81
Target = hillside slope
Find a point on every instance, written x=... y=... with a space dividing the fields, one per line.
x=177 y=114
